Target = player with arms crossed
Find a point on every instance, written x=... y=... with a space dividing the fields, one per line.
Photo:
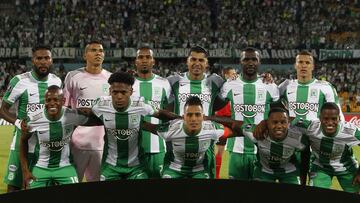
x=82 y=87
x=156 y=92
x=27 y=92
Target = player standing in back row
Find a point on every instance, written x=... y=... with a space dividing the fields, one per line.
x=27 y=92
x=82 y=87
x=250 y=100
x=156 y=92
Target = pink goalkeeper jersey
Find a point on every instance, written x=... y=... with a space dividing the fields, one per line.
x=81 y=90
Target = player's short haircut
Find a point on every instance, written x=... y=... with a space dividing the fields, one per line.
x=278 y=109
x=41 y=47
x=193 y=101
x=146 y=47
x=306 y=53
x=249 y=49
x=330 y=106
x=55 y=88
x=92 y=42
x=121 y=77
x=227 y=69
x=199 y=49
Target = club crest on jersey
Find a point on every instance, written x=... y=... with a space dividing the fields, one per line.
x=157 y=92
x=313 y=93
x=260 y=95
x=288 y=152
x=134 y=119
x=56 y=146
x=105 y=88
x=121 y=134
x=303 y=108
x=249 y=110
x=32 y=107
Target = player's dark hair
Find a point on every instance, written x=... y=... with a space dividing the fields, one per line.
x=121 y=77
x=249 y=49
x=227 y=69
x=199 y=49
x=305 y=52
x=330 y=106
x=55 y=88
x=193 y=101
x=278 y=109
x=41 y=47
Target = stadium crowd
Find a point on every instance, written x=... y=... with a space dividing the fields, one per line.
x=170 y=23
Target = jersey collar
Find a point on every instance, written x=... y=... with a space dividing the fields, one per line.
x=306 y=83
x=248 y=81
x=143 y=79
x=38 y=79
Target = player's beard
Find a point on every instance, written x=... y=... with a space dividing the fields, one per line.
x=144 y=71
x=42 y=74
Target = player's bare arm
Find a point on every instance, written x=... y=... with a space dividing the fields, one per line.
x=27 y=175
x=165 y=115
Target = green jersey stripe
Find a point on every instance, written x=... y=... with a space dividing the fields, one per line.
x=146 y=92
x=175 y=89
x=250 y=98
x=276 y=152
x=12 y=84
x=301 y=97
x=122 y=122
x=42 y=89
x=320 y=102
x=191 y=151
x=326 y=146
x=56 y=134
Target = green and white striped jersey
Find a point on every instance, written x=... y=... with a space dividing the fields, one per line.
x=306 y=100
x=250 y=103
x=27 y=92
x=206 y=89
x=278 y=157
x=121 y=146
x=334 y=154
x=156 y=92
x=54 y=136
x=189 y=150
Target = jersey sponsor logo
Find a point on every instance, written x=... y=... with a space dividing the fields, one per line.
x=191 y=156
x=249 y=110
x=155 y=104
x=303 y=106
x=32 y=107
x=56 y=146
x=86 y=102
x=203 y=97
x=82 y=88
x=121 y=134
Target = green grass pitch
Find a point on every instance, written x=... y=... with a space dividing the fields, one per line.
x=6 y=136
